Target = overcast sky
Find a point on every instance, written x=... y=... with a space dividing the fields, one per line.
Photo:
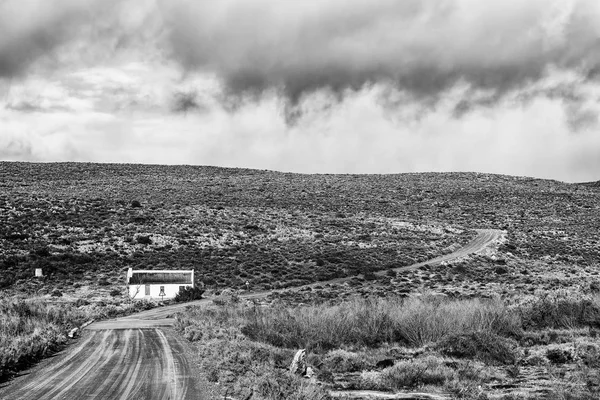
x=331 y=86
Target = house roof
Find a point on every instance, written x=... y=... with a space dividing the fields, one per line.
x=160 y=277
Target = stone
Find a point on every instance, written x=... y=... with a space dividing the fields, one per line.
x=298 y=366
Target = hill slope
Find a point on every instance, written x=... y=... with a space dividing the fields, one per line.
x=80 y=222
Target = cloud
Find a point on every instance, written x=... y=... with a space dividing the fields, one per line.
x=61 y=34
x=381 y=86
x=352 y=135
x=32 y=28
x=424 y=46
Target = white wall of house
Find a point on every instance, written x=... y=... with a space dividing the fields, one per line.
x=153 y=290
x=138 y=292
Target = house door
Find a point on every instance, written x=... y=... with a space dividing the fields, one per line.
x=147 y=290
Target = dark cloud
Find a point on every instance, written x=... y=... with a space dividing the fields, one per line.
x=424 y=46
x=96 y=30
x=31 y=29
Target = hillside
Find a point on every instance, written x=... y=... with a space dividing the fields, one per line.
x=83 y=225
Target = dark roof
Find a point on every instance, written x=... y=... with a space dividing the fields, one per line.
x=142 y=278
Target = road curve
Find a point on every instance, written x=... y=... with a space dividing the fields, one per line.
x=135 y=357
x=163 y=316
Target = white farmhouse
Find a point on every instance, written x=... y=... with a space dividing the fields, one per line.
x=157 y=284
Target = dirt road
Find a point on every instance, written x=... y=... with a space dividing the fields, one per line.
x=163 y=316
x=139 y=357
x=111 y=364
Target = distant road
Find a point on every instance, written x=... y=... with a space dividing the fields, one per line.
x=161 y=316
x=135 y=358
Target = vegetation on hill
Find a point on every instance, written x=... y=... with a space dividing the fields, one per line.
x=84 y=224
x=78 y=223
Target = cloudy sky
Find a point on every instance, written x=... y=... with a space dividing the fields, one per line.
x=332 y=86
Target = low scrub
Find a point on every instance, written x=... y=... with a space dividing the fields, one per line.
x=189 y=294
x=562 y=312
x=429 y=370
x=242 y=368
x=370 y=323
x=461 y=347
x=32 y=330
x=483 y=346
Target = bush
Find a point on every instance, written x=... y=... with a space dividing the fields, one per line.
x=370 y=323
x=483 y=346
x=428 y=370
x=31 y=330
x=136 y=204
x=343 y=361
x=189 y=294
x=561 y=313
x=559 y=356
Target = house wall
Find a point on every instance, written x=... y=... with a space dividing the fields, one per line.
x=138 y=292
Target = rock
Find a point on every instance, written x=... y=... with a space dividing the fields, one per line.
x=73 y=332
x=298 y=366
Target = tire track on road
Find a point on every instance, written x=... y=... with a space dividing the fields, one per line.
x=132 y=375
x=113 y=369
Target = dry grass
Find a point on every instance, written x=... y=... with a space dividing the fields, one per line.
x=30 y=330
x=242 y=368
x=464 y=347
x=370 y=323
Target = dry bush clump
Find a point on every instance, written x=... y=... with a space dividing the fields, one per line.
x=414 y=322
x=31 y=330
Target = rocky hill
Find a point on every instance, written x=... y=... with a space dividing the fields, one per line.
x=84 y=224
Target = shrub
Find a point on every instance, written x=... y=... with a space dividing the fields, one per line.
x=484 y=346
x=429 y=370
x=559 y=356
x=31 y=330
x=559 y=313
x=371 y=323
x=136 y=204
x=189 y=294
x=343 y=361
